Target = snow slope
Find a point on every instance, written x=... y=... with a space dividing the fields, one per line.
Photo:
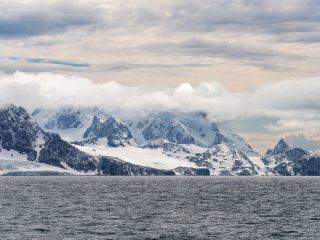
x=139 y=156
x=13 y=161
x=16 y=166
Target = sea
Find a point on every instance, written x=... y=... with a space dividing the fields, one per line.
x=159 y=207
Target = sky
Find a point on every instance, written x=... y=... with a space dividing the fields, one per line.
x=252 y=64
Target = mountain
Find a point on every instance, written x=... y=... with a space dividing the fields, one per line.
x=112 y=130
x=69 y=122
x=25 y=148
x=286 y=161
x=166 y=140
x=20 y=133
x=161 y=143
x=280 y=148
x=197 y=139
x=172 y=141
x=179 y=128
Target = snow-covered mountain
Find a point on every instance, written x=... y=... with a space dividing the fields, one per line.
x=69 y=122
x=286 y=161
x=163 y=140
x=171 y=143
x=112 y=130
x=25 y=148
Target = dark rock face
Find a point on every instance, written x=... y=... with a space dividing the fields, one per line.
x=94 y=129
x=219 y=137
x=114 y=131
x=239 y=168
x=114 y=166
x=307 y=166
x=56 y=150
x=18 y=131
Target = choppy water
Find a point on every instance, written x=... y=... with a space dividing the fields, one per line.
x=159 y=208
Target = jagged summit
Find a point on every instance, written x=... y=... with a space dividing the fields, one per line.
x=18 y=131
x=161 y=143
x=280 y=148
x=113 y=130
x=11 y=110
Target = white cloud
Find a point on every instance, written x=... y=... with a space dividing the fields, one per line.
x=293 y=124
x=306 y=139
x=295 y=103
x=258 y=41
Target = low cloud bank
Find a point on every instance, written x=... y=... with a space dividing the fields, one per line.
x=294 y=102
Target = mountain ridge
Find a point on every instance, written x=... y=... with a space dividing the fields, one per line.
x=191 y=137
x=174 y=143
x=21 y=135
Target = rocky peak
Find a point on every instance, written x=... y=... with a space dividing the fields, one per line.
x=116 y=133
x=94 y=128
x=18 y=131
x=12 y=112
x=280 y=148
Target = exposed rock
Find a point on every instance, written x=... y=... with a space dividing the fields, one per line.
x=18 y=131
x=56 y=150
x=286 y=161
x=114 y=166
x=113 y=130
x=280 y=148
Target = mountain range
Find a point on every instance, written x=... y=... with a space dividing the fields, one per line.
x=91 y=141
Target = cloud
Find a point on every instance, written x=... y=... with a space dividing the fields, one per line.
x=10 y=64
x=125 y=66
x=252 y=55
x=265 y=16
x=295 y=103
x=258 y=40
x=293 y=125
x=27 y=18
x=306 y=139
x=213 y=49
x=24 y=19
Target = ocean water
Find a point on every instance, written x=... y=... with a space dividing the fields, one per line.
x=159 y=208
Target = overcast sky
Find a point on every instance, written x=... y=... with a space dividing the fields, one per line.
x=260 y=59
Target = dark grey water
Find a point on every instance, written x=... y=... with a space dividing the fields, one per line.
x=159 y=208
